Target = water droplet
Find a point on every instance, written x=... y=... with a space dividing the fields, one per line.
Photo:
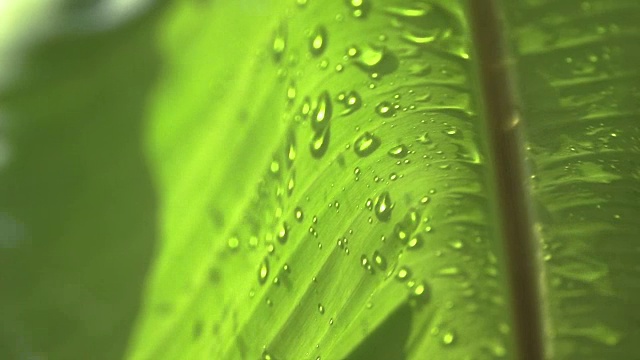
x=274 y=167
x=331 y=321
x=233 y=243
x=374 y=59
x=263 y=271
x=352 y=102
x=359 y=8
x=321 y=308
x=403 y=274
x=383 y=206
x=291 y=184
x=415 y=242
x=283 y=233
x=385 y=109
x=366 y=144
x=320 y=143
x=366 y=264
x=419 y=289
x=298 y=214
x=424 y=139
x=448 y=338
x=379 y=260
x=322 y=113
x=398 y=151
x=279 y=42
x=291 y=92
x=318 y=40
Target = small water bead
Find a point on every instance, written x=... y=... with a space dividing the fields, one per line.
x=302 y=3
x=321 y=308
x=366 y=144
x=271 y=248
x=291 y=92
x=403 y=274
x=269 y=302
x=283 y=233
x=267 y=356
x=419 y=289
x=358 y=8
x=274 y=167
x=448 y=338
x=384 y=207
x=279 y=42
x=233 y=243
x=291 y=152
x=320 y=143
x=369 y=204
x=385 y=109
x=366 y=264
x=379 y=260
x=352 y=102
x=305 y=108
x=393 y=176
x=415 y=241
x=263 y=271
x=331 y=321
x=318 y=40
x=322 y=112
x=299 y=214
x=398 y=151
x=276 y=281
x=315 y=219
x=291 y=185
x=424 y=200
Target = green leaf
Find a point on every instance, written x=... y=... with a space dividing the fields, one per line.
x=310 y=179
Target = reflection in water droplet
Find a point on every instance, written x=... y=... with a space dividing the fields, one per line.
x=318 y=41
x=383 y=207
x=366 y=144
x=298 y=214
x=263 y=271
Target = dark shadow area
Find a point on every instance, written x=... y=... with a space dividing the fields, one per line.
x=388 y=340
x=80 y=192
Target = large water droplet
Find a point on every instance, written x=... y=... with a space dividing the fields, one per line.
x=320 y=143
x=322 y=112
x=263 y=271
x=366 y=144
x=383 y=206
x=373 y=59
x=318 y=40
